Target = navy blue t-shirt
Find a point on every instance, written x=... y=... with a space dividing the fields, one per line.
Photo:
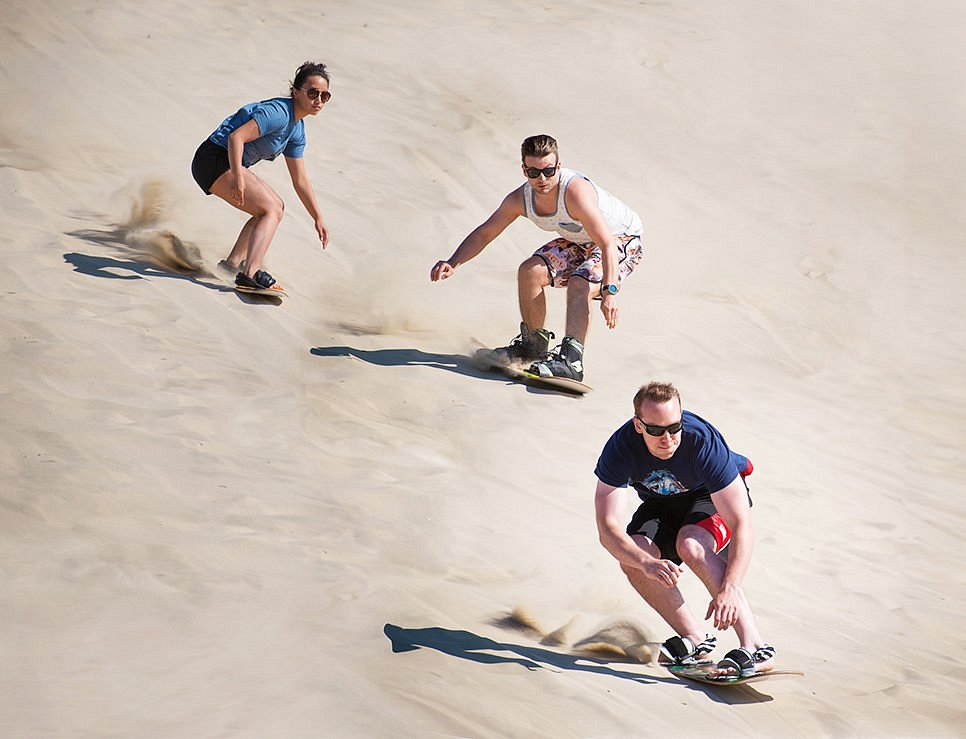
x=702 y=463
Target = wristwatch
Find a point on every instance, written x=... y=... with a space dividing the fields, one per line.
x=612 y=289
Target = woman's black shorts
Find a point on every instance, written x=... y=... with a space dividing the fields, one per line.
x=210 y=163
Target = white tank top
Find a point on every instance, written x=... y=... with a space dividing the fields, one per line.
x=619 y=218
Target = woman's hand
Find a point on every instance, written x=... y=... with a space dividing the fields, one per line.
x=236 y=183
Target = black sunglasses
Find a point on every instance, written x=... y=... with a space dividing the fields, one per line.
x=653 y=430
x=315 y=94
x=548 y=172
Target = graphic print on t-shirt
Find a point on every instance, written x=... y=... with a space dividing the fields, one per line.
x=662 y=482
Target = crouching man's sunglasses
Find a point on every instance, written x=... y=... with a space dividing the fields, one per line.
x=653 y=430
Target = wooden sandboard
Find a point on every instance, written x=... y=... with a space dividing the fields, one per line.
x=483 y=358
x=708 y=674
x=263 y=292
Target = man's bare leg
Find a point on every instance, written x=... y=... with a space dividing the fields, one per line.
x=668 y=602
x=580 y=294
x=695 y=546
x=532 y=277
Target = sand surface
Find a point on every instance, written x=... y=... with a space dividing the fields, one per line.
x=227 y=518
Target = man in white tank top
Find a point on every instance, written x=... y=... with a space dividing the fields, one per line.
x=599 y=244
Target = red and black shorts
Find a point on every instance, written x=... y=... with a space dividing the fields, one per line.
x=660 y=520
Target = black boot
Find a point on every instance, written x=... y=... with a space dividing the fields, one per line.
x=565 y=361
x=526 y=347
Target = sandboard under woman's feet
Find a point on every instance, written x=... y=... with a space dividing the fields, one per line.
x=229 y=273
x=266 y=292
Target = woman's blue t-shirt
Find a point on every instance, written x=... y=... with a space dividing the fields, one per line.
x=279 y=131
x=702 y=463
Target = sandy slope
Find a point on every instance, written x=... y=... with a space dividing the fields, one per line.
x=314 y=519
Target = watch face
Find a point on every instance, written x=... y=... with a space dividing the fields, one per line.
x=612 y=289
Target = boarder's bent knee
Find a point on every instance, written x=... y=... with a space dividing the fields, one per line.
x=691 y=544
x=534 y=268
x=274 y=210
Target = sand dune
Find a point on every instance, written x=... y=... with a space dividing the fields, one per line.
x=226 y=517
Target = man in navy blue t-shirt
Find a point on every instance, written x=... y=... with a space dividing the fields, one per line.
x=694 y=504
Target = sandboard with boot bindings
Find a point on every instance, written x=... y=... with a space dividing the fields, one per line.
x=710 y=674
x=490 y=361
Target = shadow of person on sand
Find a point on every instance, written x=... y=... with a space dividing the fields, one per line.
x=96 y=266
x=142 y=253
x=470 y=646
x=140 y=245
x=458 y=363
x=142 y=249
x=475 y=648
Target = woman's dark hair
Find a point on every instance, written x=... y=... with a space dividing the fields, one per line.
x=309 y=69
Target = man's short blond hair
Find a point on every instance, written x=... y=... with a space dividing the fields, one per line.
x=655 y=392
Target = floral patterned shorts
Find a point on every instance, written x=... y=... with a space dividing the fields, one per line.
x=565 y=259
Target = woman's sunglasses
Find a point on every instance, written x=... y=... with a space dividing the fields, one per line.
x=315 y=94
